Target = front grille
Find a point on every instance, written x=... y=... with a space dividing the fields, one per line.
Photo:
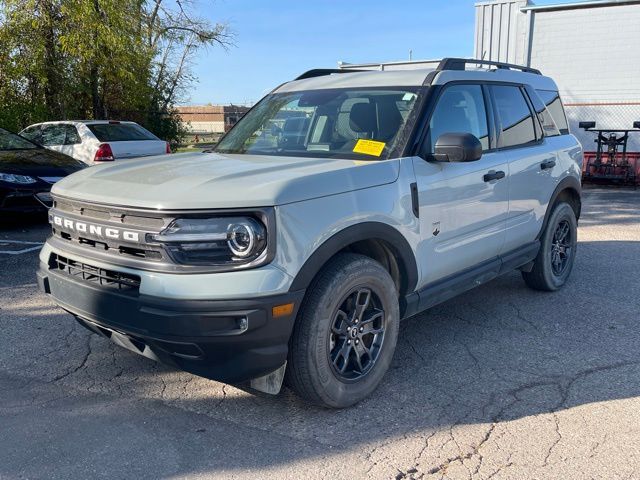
x=150 y=221
x=95 y=275
x=103 y=217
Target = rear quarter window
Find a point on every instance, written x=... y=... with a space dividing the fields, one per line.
x=551 y=99
x=120 y=132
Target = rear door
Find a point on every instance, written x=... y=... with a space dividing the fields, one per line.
x=128 y=140
x=463 y=208
x=72 y=141
x=524 y=142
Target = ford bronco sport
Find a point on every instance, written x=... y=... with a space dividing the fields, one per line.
x=341 y=203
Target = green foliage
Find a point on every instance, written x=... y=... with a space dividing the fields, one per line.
x=99 y=59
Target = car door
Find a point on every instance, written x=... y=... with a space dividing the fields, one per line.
x=462 y=206
x=531 y=156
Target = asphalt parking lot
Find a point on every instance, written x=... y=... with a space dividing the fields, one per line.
x=502 y=382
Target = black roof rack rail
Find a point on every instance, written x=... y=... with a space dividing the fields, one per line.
x=320 y=72
x=460 y=64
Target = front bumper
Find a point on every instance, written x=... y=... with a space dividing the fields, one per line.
x=227 y=340
x=24 y=200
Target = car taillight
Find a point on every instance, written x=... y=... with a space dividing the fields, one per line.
x=104 y=153
x=168 y=150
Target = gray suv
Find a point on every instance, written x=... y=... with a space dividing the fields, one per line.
x=341 y=203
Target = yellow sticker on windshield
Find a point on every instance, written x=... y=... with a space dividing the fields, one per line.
x=369 y=147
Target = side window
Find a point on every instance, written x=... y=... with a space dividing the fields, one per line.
x=72 y=136
x=549 y=127
x=53 y=135
x=514 y=115
x=460 y=109
x=32 y=133
x=552 y=100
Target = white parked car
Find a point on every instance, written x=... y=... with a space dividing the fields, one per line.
x=95 y=141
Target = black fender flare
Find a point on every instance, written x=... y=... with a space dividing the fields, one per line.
x=356 y=233
x=567 y=183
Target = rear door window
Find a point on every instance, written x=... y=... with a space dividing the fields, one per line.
x=120 y=132
x=53 y=135
x=516 y=119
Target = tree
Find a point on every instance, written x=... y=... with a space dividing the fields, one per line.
x=128 y=59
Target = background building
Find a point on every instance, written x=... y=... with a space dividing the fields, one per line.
x=591 y=49
x=211 y=119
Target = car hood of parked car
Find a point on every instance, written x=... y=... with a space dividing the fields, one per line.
x=38 y=162
x=211 y=180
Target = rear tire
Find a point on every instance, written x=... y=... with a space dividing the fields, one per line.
x=345 y=334
x=558 y=245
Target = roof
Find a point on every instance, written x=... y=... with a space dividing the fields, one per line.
x=576 y=5
x=363 y=76
x=359 y=79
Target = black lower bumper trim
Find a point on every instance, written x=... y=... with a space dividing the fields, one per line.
x=226 y=340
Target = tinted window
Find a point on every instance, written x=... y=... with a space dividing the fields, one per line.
x=460 y=109
x=554 y=105
x=32 y=133
x=545 y=119
x=53 y=135
x=120 y=132
x=71 y=135
x=514 y=115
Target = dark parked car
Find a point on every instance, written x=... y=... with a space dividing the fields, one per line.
x=27 y=172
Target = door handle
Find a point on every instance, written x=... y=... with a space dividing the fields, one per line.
x=491 y=175
x=547 y=164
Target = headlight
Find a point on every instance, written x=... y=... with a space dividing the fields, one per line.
x=20 y=179
x=215 y=241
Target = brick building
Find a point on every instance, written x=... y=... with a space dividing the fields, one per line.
x=207 y=119
x=591 y=49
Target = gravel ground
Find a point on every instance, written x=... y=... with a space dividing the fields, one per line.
x=502 y=382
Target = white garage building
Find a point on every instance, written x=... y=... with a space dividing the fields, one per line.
x=591 y=49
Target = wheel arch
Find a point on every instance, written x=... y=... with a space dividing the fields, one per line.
x=568 y=190
x=376 y=240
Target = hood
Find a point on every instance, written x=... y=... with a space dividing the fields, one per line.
x=38 y=162
x=211 y=180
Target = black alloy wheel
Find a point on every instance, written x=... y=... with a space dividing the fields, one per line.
x=357 y=334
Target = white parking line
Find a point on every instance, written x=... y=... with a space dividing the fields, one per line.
x=6 y=243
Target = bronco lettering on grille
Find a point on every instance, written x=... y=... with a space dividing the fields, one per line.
x=96 y=230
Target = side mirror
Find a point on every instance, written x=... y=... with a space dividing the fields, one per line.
x=587 y=125
x=636 y=124
x=457 y=147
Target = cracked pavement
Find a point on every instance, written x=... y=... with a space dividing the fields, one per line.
x=501 y=382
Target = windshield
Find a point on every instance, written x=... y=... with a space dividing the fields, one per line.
x=335 y=123
x=11 y=141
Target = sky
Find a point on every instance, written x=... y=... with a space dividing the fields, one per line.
x=277 y=40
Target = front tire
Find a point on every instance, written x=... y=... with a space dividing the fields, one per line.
x=558 y=245
x=346 y=332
